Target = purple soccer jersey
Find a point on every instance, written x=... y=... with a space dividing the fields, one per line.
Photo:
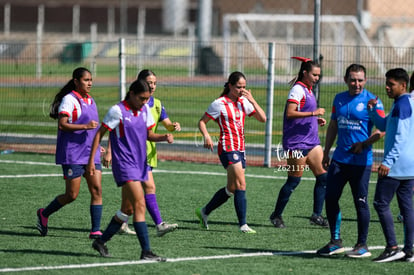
x=75 y=147
x=129 y=130
x=301 y=133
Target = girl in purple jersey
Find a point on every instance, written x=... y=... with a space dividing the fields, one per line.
x=301 y=142
x=77 y=124
x=130 y=124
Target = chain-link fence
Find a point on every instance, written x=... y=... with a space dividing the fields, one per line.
x=190 y=72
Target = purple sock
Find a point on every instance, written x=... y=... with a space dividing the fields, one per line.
x=152 y=207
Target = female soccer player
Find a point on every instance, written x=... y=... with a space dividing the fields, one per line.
x=229 y=111
x=160 y=115
x=77 y=124
x=301 y=141
x=130 y=123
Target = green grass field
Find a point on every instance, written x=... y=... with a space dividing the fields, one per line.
x=31 y=181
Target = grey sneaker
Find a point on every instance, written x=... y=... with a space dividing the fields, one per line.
x=359 y=251
x=202 y=217
x=277 y=221
x=126 y=230
x=151 y=257
x=163 y=228
x=100 y=246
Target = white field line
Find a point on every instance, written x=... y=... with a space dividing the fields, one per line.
x=170 y=260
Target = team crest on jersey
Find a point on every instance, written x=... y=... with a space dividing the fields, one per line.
x=237 y=114
x=360 y=107
x=235 y=156
x=70 y=172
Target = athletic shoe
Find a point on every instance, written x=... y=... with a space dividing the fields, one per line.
x=126 y=230
x=100 y=246
x=151 y=257
x=202 y=217
x=409 y=257
x=359 y=251
x=41 y=222
x=95 y=235
x=318 y=220
x=277 y=221
x=332 y=248
x=400 y=218
x=246 y=229
x=389 y=255
x=163 y=228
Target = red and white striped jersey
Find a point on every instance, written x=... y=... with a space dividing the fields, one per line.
x=230 y=117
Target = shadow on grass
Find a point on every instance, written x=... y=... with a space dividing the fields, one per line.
x=49 y=252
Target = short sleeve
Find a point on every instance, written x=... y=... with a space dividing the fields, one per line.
x=214 y=109
x=67 y=105
x=296 y=94
x=150 y=119
x=112 y=117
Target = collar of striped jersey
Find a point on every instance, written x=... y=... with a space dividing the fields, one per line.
x=228 y=99
x=128 y=108
x=78 y=95
x=305 y=86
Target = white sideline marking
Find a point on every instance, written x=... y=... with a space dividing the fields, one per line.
x=172 y=260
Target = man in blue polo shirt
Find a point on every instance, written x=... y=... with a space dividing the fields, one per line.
x=351 y=160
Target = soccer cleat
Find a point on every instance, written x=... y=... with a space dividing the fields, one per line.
x=202 y=217
x=246 y=229
x=126 y=230
x=277 y=221
x=41 y=222
x=163 y=228
x=100 y=246
x=332 y=248
x=409 y=257
x=151 y=257
x=95 y=235
x=359 y=251
x=389 y=255
x=318 y=220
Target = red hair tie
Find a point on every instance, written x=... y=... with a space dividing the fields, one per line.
x=303 y=59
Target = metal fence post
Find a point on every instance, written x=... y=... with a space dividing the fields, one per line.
x=269 y=105
x=122 y=69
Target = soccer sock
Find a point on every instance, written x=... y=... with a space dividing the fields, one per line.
x=52 y=208
x=218 y=199
x=112 y=229
x=152 y=207
x=142 y=234
x=284 y=194
x=240 y=203
x=96 y=214
x=319 y=192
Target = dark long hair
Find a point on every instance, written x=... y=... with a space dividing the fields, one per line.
x=141 y=76
x=234 y=77
x=304 y=67
x=144 y=74
x=137 y=87
x=69 y=87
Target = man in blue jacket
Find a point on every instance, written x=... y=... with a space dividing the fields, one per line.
x=396 y=172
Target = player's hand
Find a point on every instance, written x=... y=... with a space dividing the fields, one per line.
x=169 y=138
x=92 y=124
x=90 y=168
x=208 y=143
x=326 y=161
x=107 y=159
x=319 y=112
x=372 y=103
x=383 y=171
x=321 y=121
x=177 y=126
